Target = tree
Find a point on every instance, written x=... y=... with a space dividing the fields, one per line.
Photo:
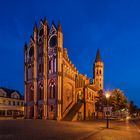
x=100 y=103
x=118 y=100
x=133 y=108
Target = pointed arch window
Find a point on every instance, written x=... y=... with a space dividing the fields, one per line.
x=52 y=108
x=31 y=52
x=54 y=64
x=49 y=65
x=40 y=91
x=41 y=32
x=40 y=48
x=52 y=90
x=31 y=96
x=51 y=68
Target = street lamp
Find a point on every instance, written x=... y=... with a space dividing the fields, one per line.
x=107 y=95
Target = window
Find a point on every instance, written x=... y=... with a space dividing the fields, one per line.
x=40 y=49
x=2 y=94
x=40 y=68
x=31 y=51
x=9 y=112
x=2 y=112
x=52 y=90
x=52 y=108
x=4 y=102
x=21 y=103
x=92 y=97
x=49 y=64
x=9 y=102
x=17 y=103
x=15 y=95
x=55 y=65
x=41 y=32
x=31 y=97
x=100 y=72
x=40 y=97
x=97 y=72
x=13 y=102
x=30 y=72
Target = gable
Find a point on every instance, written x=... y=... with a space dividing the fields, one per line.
x=15 y=95
x=2 y=93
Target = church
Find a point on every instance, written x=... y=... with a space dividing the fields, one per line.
x=53 y=87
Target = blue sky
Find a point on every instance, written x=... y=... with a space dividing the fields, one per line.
x=113 y=26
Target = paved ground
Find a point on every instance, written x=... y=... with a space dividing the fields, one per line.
x=137 y=122
x=54 y=130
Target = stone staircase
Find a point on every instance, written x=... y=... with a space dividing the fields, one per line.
x=72 y=112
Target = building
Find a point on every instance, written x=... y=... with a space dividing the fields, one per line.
x=11 y=103
x=54 y=89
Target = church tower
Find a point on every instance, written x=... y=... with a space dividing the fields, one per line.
x=99 y=71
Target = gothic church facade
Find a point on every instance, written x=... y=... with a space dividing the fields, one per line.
x=53 y=87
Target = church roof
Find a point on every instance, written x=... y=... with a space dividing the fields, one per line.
x=98 y=56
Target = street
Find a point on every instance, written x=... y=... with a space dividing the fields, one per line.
x=61 y=130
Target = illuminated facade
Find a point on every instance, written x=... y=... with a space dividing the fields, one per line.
x=11 y=103
x=54 y=89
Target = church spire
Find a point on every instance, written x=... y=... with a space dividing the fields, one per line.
x=35 y=27
x=45 y=21
x=98 y=56
x=59 y=26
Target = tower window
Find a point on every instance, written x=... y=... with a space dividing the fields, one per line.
x=100 y=72
x=97 y=71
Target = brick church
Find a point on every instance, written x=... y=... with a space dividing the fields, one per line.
x=53 y=87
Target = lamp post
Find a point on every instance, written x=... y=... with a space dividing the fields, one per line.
x=107 y=95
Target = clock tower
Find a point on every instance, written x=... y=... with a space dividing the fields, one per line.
x=99 y=71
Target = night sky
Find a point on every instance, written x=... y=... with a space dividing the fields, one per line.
x=113 y=26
